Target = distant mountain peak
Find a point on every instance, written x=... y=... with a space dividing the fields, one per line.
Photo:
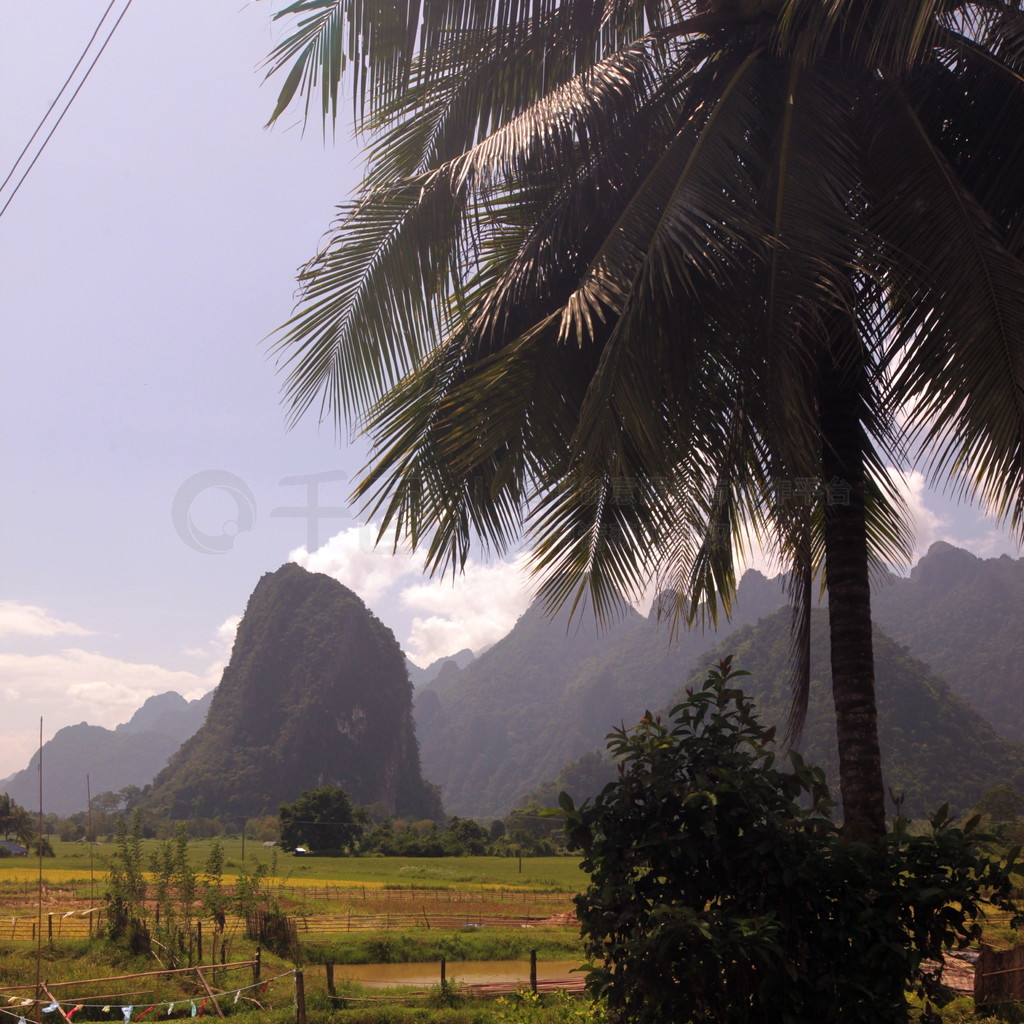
x=945 y=565
x=421 y=677
x=168 y=713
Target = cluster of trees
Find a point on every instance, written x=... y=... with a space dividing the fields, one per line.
x=161 y=899
x=16 y=822
x=325 y=822
x=20 y=825
x=721 y=888
x=531 y=831
x=100 y=819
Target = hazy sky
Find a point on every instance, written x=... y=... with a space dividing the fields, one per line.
x=148 y=254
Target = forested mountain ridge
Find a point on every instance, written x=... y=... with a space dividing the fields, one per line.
x=549 y=691
x=935 y=747
x=963 y=616
x=512 y=720
x=170 y=714
x=316 y=693
x=129 y=755
x=420 y=677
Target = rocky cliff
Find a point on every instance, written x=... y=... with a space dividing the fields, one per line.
x=316 y=693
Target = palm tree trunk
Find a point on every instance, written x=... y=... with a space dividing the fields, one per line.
x=849 y=605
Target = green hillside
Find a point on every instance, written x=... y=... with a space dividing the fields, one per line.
x=548 y=692
x=964 y=617
x=935 y=747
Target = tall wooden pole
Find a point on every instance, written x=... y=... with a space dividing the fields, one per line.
x=91 y=838
x=39 y=888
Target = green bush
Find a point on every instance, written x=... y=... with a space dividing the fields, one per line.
x=721 y=889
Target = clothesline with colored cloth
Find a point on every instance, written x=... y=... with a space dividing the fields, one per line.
x=128 y=1010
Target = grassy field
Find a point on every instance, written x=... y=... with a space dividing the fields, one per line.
x=562 y=874
x=349 y=910
x=469 y=887
x=462 y=889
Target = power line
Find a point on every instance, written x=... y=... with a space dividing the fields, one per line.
x=67 y=106
x=49 y=109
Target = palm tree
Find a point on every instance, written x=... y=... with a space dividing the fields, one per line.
x=641 y=276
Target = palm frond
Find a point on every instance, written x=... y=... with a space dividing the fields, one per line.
x=356 y=333
x=960 y=354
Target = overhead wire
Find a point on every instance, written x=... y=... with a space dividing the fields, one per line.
x=49 y=109
x=67 y=106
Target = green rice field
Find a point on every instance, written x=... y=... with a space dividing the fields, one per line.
x=562 y=874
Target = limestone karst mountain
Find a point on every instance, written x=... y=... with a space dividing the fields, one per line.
x=316 y=693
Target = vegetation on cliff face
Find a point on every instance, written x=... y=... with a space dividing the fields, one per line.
x=548 y=692
x=935 y=747
x=961 y=615
x=316 y=693
x=510 y=722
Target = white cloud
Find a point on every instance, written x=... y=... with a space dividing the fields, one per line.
x=75 y=685
x=19 y=619
x=474 y=610
x=352 y=558
x=228 y=629
x=928 y=526
x=219 y=645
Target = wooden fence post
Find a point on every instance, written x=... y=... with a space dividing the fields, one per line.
x=199 y=939
x=300 y=999
x=256 y=964
x=533 y=970
x=999 y=977
x=329 y=968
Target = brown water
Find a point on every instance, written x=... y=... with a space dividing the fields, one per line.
x=471 y=972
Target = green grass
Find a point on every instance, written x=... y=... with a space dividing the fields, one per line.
x=408 y=947
x=71 y=863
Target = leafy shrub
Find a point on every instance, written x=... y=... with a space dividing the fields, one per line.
x=125 y=896
x=525 y=1007
x=721 y=889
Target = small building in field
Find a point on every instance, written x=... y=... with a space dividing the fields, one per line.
x=14 y=849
